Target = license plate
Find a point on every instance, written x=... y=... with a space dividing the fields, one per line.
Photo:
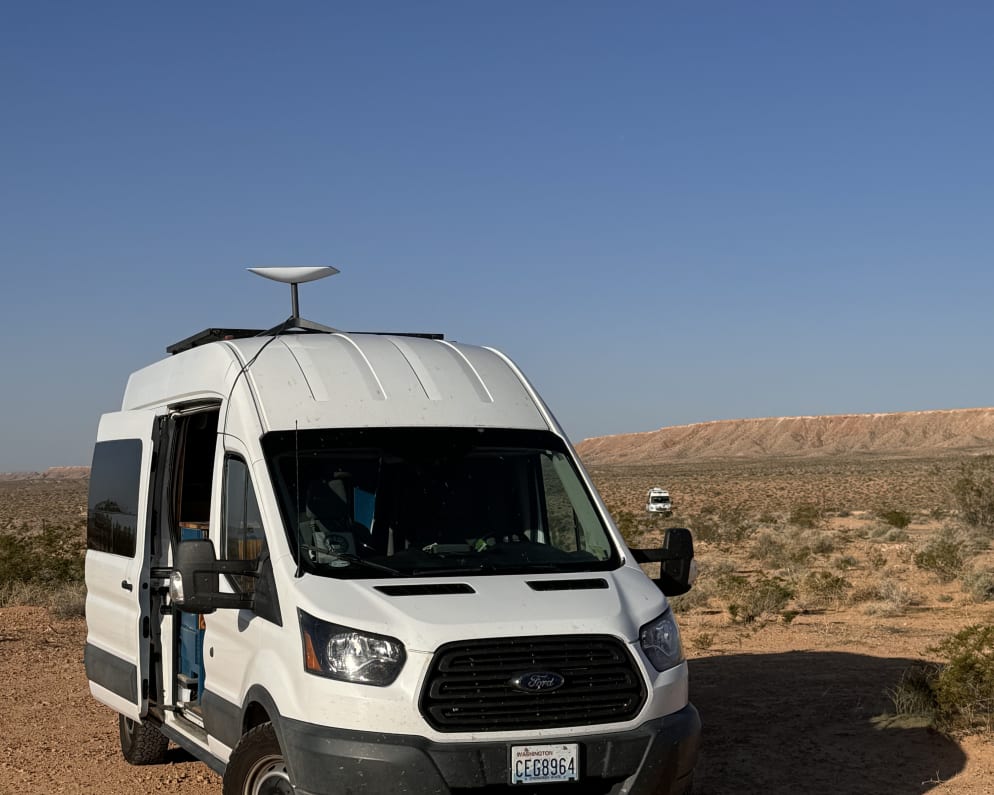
x=540 y=764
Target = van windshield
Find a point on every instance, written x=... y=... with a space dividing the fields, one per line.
x=376 y=502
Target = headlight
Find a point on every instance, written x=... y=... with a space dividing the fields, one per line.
x=349 y=655
x=660 y=640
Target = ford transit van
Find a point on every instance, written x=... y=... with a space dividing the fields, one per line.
x=659 y=501
x=327 y=562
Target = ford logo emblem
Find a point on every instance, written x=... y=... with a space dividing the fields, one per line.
x=538 y=682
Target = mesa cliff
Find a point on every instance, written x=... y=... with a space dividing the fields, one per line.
x=52 y=473
x=923 y=434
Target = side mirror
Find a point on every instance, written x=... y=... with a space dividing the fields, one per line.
x=677 y=569
x=194 y=584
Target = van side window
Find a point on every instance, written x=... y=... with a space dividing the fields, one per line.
x=561 y=519
x=241 y=522
x=112 y=513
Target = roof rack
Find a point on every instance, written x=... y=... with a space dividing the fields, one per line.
x=212 y=335
x=209 y=335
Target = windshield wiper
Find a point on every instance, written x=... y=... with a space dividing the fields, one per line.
x=346 y=557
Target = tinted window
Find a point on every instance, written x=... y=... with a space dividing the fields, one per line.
x=112 y=515
x=435 y=501
x=242 y=522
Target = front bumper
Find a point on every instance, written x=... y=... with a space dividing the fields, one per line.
x=657 y=758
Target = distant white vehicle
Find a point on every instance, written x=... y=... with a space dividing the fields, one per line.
x=658 y=501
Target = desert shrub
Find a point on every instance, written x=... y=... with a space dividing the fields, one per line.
x=712 y=580
x=729 y=585
x=845 y=562
x=876 y=559
x=973 y=491
x=887 y=534
x=862 y=593
x=767 y=595
x=68 y=600
x=64 y=600
x=14 y=594
x=894 y=518
x=964 y=686
x=972 y=539
x=914 y=694
x=805 y=514
x=697 y=598
x=731 y=525
x=770 y=549
x=47 y=558
x=822 y=589
x=790 y=547
x=941 y=556
x=714 y=567
x=821 y=543
x=979 y=585
x=886 y=599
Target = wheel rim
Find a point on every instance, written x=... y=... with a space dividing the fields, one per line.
x=269 y=776
x=128 y=728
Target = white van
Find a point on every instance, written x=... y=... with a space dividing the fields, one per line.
x=372 y=563
x=658 y=501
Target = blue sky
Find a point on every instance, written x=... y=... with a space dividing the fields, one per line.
x=665 y=212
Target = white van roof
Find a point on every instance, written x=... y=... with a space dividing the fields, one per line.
x=345 y=380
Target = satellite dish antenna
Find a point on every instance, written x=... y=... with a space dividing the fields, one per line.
x=294 y=276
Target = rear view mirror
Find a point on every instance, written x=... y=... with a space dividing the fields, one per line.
x=677 y=569
x=194 y=584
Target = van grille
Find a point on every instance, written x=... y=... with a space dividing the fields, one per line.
x=469 y=685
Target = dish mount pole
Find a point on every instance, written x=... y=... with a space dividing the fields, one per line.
x=295 y=276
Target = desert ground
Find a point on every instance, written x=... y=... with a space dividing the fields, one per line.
x=797 y=697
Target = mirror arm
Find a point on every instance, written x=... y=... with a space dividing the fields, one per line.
x=655 y=555
x=245 y=568
x=236 y=601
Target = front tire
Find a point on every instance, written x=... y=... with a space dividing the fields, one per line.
x=142 y=743
x=257 y=765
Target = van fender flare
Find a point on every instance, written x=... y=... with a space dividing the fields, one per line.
x=228 y=722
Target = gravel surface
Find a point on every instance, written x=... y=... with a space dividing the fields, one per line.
x=787 y=711
x=56 y=738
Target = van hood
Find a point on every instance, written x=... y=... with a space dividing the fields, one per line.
x=426 y=612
